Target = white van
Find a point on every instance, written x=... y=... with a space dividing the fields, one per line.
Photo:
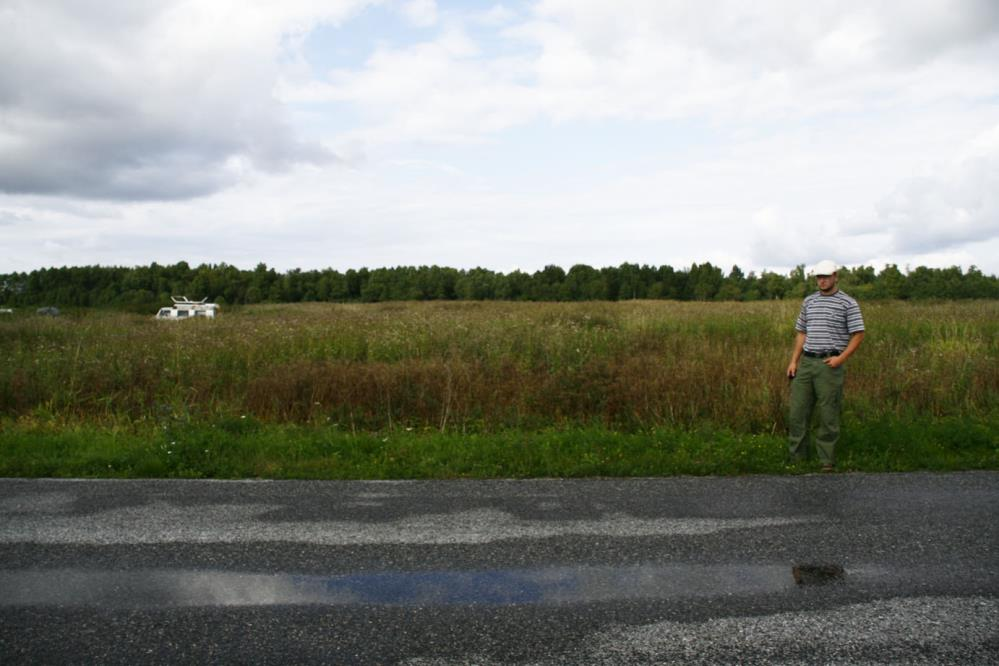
x=184 y=308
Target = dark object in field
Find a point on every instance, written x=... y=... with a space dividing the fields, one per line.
x=816 y=574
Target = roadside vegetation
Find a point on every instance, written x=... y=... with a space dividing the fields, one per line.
x=482 y=389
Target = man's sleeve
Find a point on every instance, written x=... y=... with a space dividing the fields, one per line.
x=801 y=324
x=854 y=320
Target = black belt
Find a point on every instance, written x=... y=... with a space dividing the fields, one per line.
x=822 y=354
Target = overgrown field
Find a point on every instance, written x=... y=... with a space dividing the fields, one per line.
x=482 y=389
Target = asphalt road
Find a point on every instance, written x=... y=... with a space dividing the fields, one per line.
x=678 y=570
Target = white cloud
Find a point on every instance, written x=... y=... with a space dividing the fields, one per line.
x=496 y=15
x=767 y=133
x=727 y=59
x=146 y=100
x=421 y=13
x=440 y=91
x=946 y=210
x=724 y=62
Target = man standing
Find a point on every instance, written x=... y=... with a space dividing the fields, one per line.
x=830 y=328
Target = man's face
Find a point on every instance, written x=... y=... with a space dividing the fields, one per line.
x=827 y=283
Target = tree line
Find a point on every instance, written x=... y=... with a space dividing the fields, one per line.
x=147 y=287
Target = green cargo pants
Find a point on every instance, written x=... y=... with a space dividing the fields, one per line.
x=819 y=387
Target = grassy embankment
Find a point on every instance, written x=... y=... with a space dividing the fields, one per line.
x=437 y=390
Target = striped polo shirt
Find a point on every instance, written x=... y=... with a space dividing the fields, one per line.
x=829 y=321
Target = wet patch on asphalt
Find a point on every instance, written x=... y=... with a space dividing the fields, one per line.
x=547 y=585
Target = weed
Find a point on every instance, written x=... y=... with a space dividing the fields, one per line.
x=922 y=390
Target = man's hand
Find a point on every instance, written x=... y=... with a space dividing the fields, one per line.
x=836 y=361
x=799 y=347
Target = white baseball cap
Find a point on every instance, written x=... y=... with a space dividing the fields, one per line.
x=824 y=267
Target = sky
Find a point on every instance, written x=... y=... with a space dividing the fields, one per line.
x=507 y=135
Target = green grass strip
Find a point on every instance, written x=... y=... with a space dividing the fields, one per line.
x=244 y=448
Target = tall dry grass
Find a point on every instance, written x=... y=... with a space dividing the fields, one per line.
x=486 y=366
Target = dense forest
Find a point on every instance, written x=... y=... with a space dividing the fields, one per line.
x=150 y=286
